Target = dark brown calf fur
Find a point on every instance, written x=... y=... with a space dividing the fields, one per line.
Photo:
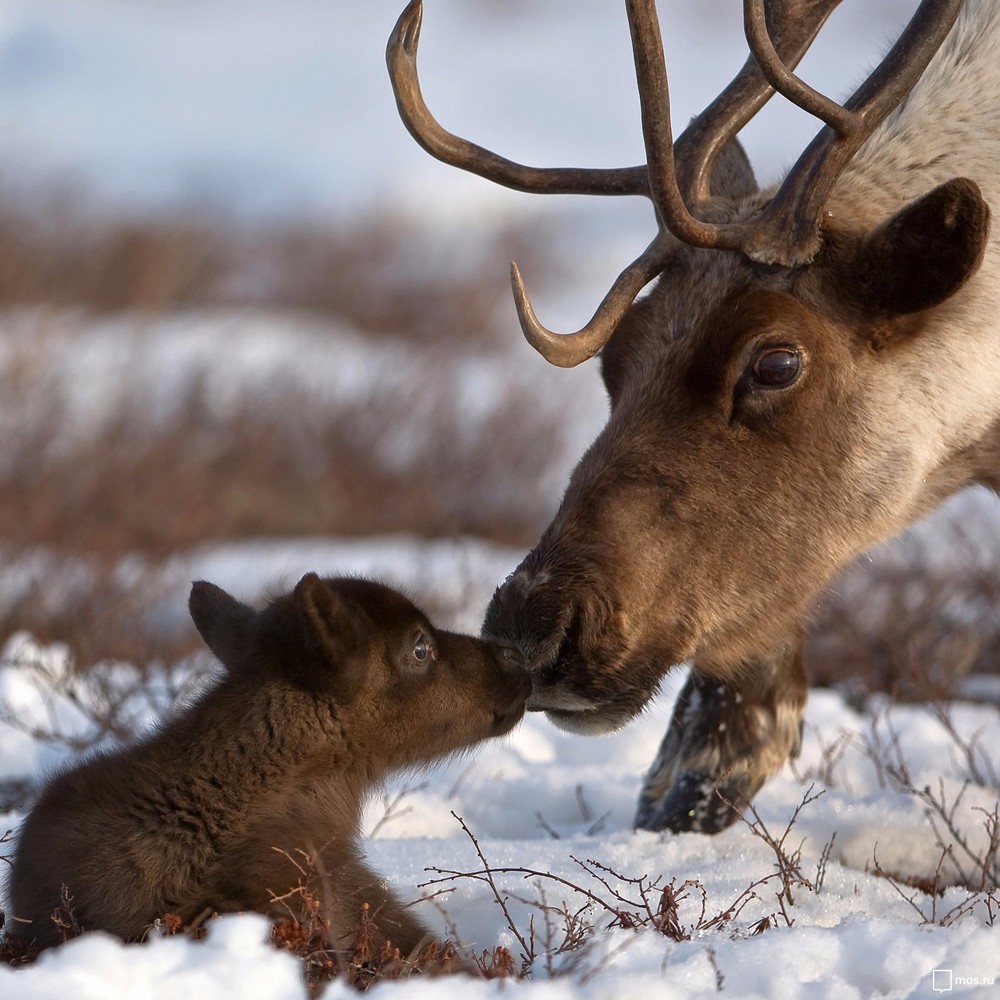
x=326 y=691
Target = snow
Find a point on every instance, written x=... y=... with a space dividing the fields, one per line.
x=99 y=966
x=553 y=803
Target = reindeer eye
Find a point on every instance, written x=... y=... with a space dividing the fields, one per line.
x=775 y=367
x=423 y=650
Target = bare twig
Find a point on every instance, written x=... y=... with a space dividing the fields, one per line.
x=391 y=807
x=554 y=834
x=788 y=864
x=486 y=875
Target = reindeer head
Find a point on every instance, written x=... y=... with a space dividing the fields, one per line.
x=765 y=397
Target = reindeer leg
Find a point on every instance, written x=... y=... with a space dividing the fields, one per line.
x=724 y=740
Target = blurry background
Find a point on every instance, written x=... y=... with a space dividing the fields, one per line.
x=238 y=302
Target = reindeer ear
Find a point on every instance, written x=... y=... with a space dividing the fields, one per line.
x=924 y=253
x=337 y=628
x=732 y=175
x=224 y=623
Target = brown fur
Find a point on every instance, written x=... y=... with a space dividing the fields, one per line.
x=711 y=509
x=324 y=694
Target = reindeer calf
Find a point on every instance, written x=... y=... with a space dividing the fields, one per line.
x=264 y=777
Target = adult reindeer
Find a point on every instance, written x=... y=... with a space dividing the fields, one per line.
x=817 y=366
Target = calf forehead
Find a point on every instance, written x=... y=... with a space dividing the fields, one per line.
x=387 y=607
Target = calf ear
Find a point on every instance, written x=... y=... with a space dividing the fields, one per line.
x=923 y=254
x=224 y=623
x=337 y=629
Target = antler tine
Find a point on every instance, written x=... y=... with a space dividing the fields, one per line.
x=567 y=350
x=654 y=108
x=401 y=58
x=787 y=231
x=790 y=29
x=779 y=74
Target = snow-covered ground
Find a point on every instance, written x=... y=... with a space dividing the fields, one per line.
x=561 y=805
x=541 y=800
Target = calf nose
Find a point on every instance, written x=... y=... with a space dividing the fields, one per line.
x=511 y=658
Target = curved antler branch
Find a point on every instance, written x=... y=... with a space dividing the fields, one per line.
x=791 y=26
x=782 y=79
x=787 y=230
x=401 y=59
x=567 y=350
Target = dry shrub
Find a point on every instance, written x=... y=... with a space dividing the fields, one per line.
x=279 y=468
x=564 y=938
x=304 y=932
x=387 y=276
x=907 y=624
x=93 y=524
x=109 y=624
x=381 y=274
x=54 y=249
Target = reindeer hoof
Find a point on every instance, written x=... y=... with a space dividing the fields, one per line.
x=694 y=803
x=719 y=749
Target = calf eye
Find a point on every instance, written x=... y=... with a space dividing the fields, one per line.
x=775 y=367
x=417 y=659
x=423 y=653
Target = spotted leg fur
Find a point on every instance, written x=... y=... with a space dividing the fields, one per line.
x=724 y=740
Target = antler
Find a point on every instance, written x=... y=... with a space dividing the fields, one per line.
x=789 y=29
x=677 y=177
x=401 y=58
x=565 y=351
